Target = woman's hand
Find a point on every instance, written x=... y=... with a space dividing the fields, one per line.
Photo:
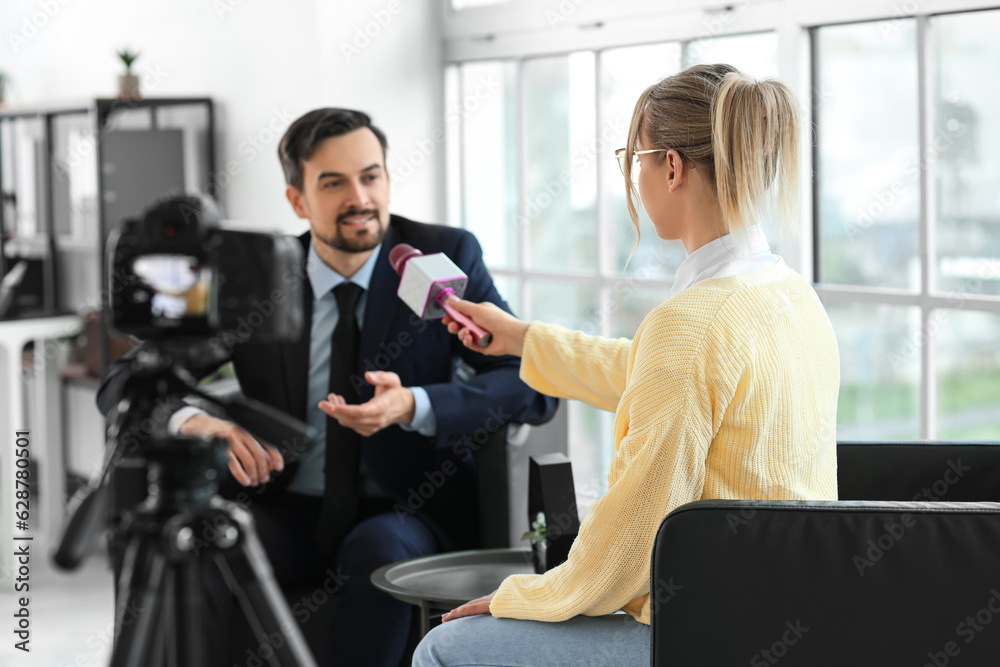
x=508 y=331
x=477 y=606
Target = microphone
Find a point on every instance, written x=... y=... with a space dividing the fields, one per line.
x=428 y=284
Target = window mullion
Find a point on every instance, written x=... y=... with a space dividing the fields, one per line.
x=463 y=213
x=815 y=102
x=523 y=222
x=927 y=86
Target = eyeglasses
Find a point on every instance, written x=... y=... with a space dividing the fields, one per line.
x=620 y=156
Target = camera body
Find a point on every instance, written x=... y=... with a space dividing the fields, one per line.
x=176 y=274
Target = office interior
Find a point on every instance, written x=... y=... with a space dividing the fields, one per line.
x=502 y=118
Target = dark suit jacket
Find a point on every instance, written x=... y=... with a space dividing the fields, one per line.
x=432 y=477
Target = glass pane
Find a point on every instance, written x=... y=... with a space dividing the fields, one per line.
x=453 y=145
x=869 y=186
x=755 y=54
x=487 y=113
x=590 y=443
x=560 y=111
x=968 y=374
x=967 y=148
x=591 y=448
x=879 y=371
x=625 y=73
x=632 y=304
x=510 y=290
x=567 y=304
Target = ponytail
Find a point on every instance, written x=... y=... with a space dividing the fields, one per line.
x=755 y=127
x=742 y=133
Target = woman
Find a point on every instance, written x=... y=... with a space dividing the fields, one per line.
x=728 y=389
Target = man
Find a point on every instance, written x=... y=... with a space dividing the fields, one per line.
x=379 y=384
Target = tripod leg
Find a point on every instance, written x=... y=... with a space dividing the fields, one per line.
x=191 y=639
x=249 y=576
x=140 y=595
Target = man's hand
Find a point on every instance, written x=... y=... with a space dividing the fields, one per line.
x=392 y=404
x=477 y=606
x=251 y=462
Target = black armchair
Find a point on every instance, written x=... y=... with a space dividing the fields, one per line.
x=901 y=571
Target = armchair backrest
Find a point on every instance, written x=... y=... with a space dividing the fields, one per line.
x=924 y=471
x=826 y=584
x=860 y=581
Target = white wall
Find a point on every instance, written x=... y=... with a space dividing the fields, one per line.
x=264 y=62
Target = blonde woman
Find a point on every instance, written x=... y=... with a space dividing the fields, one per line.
x=728 y=389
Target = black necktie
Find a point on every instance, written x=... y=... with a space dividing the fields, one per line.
x=343 y=446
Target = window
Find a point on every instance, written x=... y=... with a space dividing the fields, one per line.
x=907 y=178
x=906 y=157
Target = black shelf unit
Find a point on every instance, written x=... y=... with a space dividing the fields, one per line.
x=70 y=172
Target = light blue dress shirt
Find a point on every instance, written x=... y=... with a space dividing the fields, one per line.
x=308 y=477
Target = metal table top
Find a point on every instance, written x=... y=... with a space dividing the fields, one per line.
x=451 y=579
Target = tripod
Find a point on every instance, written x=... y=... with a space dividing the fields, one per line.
x=182 y=523
x=182 y=528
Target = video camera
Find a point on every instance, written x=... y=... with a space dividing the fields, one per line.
x=174 y=273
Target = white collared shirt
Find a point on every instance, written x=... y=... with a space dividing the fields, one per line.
x=729 y=255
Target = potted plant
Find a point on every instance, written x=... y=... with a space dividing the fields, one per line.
x=128 y=83
x=539 y=545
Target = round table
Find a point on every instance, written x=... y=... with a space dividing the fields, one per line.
x=445 y=581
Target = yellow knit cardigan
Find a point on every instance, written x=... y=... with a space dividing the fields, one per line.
x=728 y=390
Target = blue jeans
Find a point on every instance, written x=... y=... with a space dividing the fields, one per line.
x=615 y=640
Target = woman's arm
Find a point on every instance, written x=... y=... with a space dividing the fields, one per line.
x=571 y=364
x=554 y=360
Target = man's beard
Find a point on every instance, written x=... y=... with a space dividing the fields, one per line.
x=361 y=243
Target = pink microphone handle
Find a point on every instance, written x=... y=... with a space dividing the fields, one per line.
x=482 y=337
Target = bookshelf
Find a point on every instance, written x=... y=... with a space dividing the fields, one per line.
x=71 y=172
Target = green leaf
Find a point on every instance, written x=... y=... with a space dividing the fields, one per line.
x=128 y=57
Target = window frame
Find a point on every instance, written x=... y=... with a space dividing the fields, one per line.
x=520 y=30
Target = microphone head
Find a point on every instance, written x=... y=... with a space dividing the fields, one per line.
x=400 y=255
